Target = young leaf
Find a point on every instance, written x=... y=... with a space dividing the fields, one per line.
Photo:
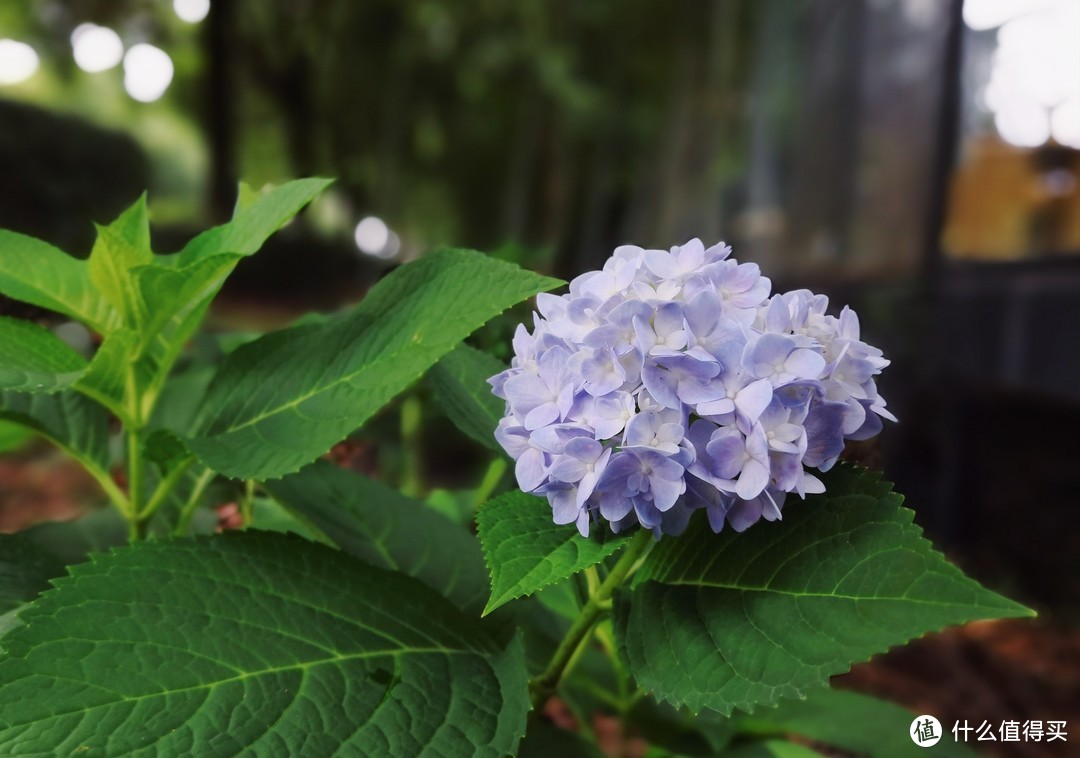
x=734 y=620
x=525 y=551
x=386 y=529
x=106 y=380
x=69 y=420
x=283 y=400
x=25 y=570
x=254 y=221
x=165 y=450
x=35 y=272
x=173 y=294
x=460 y=381
x=33 y=359
x=120 y=247
x=253 y=642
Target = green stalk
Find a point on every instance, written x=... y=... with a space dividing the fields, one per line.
x=492 y=476
x=165 y=488
x=598 y=605
x=136 y=525
x=247 y=503
x=412 y=480
x=192 y=504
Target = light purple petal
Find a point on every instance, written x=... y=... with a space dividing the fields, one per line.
x=752 y=480
x=530 y=470
x=805 y=364
x=753 y=399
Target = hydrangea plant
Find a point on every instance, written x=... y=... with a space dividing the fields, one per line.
x=347 y=617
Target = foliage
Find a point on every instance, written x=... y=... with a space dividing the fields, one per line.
x=362 y=632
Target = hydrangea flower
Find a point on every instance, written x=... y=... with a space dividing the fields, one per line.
x=670 y=382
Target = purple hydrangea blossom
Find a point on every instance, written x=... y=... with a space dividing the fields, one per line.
x=672 y=381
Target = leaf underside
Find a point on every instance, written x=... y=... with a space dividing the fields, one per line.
x=254 y=644
x=735 y=620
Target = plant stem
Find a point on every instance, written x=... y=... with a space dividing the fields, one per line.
x=412 y=480
x=192 y=504
x=136 y=527
x=164 y=487
x=247 y=503
x=492 y=476
x=599 y=603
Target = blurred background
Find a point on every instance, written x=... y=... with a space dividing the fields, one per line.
x=918 y=159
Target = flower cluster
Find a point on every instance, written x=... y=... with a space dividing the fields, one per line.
x=673 y=381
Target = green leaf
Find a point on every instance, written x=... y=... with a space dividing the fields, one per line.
x=33 y=359
x=254 y=221
x=69 y=420
x=106 y=380
x=845 y=720
x=461 y=387
x=35 y=272
x=387 y=529
x=544 y=740
x=13 y=436
x=174 y=294
x=525 y=551
x=25 y=570
x=734 y=620
x=281 y=401
x=269 y=515
x=253 y=642
x=73 y=541
x=165 y=450
x=120 y=247
x=771 y=749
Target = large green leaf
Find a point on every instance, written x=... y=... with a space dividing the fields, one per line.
x=735 y=620
x=255 y=643
x=526 y=551
x=35 y=272
x=283 y=400
x=25 y=570
x=33 y=359
x=68 y=419
x=460 y=381
x=387 y=529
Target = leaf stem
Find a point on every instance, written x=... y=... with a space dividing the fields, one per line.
x=247 y=503
x=165 y=487
x=598 y=605
x=192 y=504
x=412 y=480
x=135 y=482
x=492 y=476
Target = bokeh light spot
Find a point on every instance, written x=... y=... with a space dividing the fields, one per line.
x=148 y=71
